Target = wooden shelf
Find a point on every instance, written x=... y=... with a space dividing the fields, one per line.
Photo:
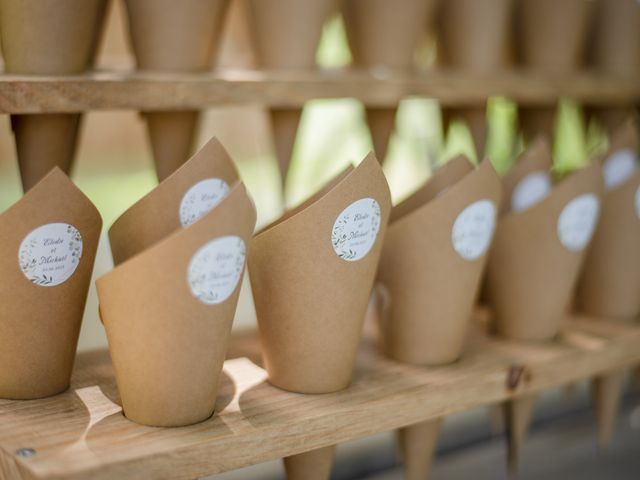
x=140 y=91
x=83 y=434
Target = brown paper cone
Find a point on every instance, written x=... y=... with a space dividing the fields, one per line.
x=286 y=36
x=417 y=444
x=169 y=36
x=432 y=262
x=551 y=37
x=536 y=257
x=313 y=465
x=48 y=37
x=308 y=257
x=168 y=336
x=175 y=203
x=518 y=413
x=607 y=390
x=384 y=34
x=615 y=50
x=42 y=302
x=610 y=281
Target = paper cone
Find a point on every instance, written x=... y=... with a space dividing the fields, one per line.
x=168 y=336
x=536 y=257
x=518 y=414
x=607 y=390
x=169 y=36
x=194 y=189
x=432 y=261
x=308 y=257
x=52 y=234
x=313 y=465
x=286 y=36
x=48 y=37
x=615 y=50
x=417 y=444
x=384 y=35
x=551 y=37
x=610 y=280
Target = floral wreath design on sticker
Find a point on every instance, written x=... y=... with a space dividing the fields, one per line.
x=30 y=250
x=342 y=232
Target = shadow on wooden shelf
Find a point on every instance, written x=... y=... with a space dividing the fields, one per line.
x=156 y=91
x=83 y=434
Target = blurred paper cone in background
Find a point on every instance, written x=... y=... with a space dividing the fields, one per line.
x=286 y=36
x=42 y=303
x=474 y=37
x=431 y=265
x=48 y=37
x=170 y=36
x=383 y=37
x=551 y=38
x=615 y=50
x=327 y=248
x=610 y=282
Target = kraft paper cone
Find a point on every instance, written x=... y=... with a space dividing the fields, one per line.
x=169 y=36
x=431 y=265
x=196 y=187
x=314 y=465
x=518 y=414
x=610 y=282
x=417 y=444
x=537 y=254
x=48 y=37
x=551 y=37
x=286 y=36
x=327 y=249
x=168 y=312
x=384 y=34
x=50 y=236
x=615 y=50
x=607 y=390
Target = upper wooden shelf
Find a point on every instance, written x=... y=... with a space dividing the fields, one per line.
x=147 y=91
x=83 y=434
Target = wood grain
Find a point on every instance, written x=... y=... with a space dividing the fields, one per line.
x=83 y=434
x=147 y=91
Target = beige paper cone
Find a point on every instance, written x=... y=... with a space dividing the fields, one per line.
x=551 y=37
x=313 y=465
x=172 y=204
x=536 y=257
x=169 y=36
x=610 y=282
x=607 y=390
x=48 y=37
x=286 y=35
x=384 y=35
x=615 y=50
x=417 y=444
x=41 y=308
x=301 y=261
x=168 y=336
x=518 y=414
x=432 y=262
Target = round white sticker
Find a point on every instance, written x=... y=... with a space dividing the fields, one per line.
x=577 y=221
x=618 y=167
x=473 y=229
x=215 y=269
x=50 y=254
x=356 y=229
x=532 y=189
x=638 y=202
x=201 y=198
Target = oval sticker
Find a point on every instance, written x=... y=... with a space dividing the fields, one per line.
x=618 y=168
x=577 y=221
x=356 y=229
x=532 y=189
x=473 y=229
x=201 y=198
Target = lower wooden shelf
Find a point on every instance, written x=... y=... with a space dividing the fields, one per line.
x=83 y=434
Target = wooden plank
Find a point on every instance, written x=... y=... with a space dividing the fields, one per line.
x=83 y=434
x=147 y=91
